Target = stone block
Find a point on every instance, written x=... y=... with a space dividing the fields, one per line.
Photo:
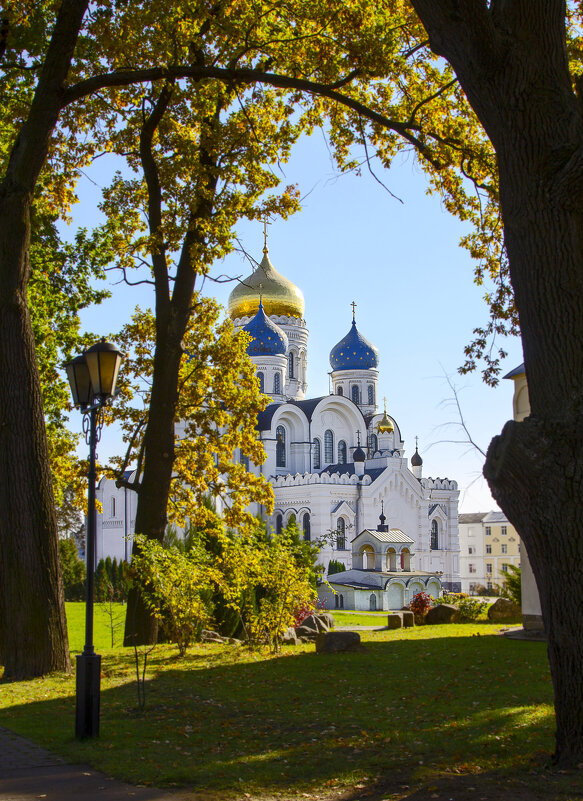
x=408 y=619
x=504 y=611
x=333 y=642
x=442 y=613
x=394 y=621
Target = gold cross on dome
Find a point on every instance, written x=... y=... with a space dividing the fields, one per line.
x=353 y=304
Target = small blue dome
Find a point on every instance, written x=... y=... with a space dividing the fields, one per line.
x=268 y=339
x=354 y=352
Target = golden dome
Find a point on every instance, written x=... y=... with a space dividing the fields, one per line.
x=384 y=425
x=279 y=295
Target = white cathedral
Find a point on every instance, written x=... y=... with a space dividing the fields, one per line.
x=336 y=463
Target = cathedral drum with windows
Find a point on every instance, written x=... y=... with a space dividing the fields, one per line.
x=336 y=463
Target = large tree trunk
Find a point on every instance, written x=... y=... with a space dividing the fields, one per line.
x=511 y=61
x=33 y=634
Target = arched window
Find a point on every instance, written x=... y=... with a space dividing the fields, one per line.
x=261 y=378
x=113 y=507
x=278 y=524
x=434 y=536
x=277 y=384
x=317 y=453
x=373 y=444
x=339 y=391
x=341 y=534
x=291 y=521
x=336 y=601
x=328 y=446
x=280 y=446
x=355 y=394
x=290 y=364
x=341 y=601
x=342 y=452
x=306 y=527
x=370 y=395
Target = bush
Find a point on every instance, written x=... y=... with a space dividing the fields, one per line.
x=420 y=605
x=470 y=608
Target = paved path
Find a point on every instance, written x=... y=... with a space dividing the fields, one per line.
x=27 y=771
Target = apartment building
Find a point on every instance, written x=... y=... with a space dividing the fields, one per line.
x=489 y=544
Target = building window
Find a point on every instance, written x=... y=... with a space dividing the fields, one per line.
x=341 y=534
x=355 y=394
x=488 y=531
x=488 y=568
x=488 y=549
x=244 y=460
x=372 y=602
x=504 y=530
x=277 y=384
x=370 y=395
x=434 y=536
x=341 y=601
x=261 y=378
x=328 y=446
x=373 y=444
x=339 y=391
x=342 y=452
x=505 y=568
x=504 y=548
x=290 y=365
x=471 y=568
x=489 y=585
x=306 y=527
x=317 y=454
x=470 y=550
x=280 y=446
x=278 y=524
x=113 y=507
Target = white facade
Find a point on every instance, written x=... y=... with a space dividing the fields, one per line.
x=334 y=462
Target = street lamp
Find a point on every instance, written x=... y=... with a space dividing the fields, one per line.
x=92 y=377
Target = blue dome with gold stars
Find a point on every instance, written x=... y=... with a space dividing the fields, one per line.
x=354 y=352
x=268 y=339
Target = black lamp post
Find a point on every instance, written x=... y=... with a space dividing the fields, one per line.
x=92 y=377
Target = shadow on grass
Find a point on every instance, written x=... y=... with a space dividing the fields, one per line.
x=404 y=714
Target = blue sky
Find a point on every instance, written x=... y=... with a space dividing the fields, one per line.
x=413 y=286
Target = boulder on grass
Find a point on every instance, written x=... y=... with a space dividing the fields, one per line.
x=306 y=632
x=327 y=619
x=316 y=623
x=442 y=613
x=334 y=642
x=289 y=637
x=503 y=611
x=394 y=621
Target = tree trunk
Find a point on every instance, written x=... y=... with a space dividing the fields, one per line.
x=153 y=492
x=536 y=474
x=33 y=626
x=33 y=632
x=510 y=59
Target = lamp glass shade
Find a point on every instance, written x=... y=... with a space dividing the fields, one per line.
x=103 y=361
x=79 y=381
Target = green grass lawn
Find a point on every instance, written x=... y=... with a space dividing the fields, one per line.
x=417 y=708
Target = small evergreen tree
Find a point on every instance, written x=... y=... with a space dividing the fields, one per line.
x=334 y=566
x=73 y=570
x=512 y=587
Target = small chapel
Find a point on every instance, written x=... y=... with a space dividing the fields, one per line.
x=337 y=463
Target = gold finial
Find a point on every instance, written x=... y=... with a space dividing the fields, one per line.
x=261 y=294
x=353 y=304
x=265 y=224
x=385 y=426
